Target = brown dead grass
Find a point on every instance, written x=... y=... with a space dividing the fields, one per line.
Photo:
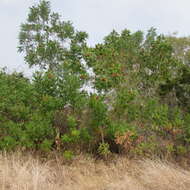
x=18 y=172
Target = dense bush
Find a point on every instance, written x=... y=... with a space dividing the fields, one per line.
x=140 y=104
x=33 y=117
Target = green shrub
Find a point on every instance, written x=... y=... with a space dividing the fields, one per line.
x=68 y=155
x=103 y=149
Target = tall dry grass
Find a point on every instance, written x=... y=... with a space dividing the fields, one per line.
x=18 y=172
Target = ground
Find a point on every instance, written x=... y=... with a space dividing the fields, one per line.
x=26 y=172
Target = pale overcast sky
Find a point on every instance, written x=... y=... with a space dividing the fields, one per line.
x=96 y=17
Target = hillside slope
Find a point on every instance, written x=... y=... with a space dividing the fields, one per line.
x=29 y=173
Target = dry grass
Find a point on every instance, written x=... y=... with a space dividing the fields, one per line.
x=18 y=172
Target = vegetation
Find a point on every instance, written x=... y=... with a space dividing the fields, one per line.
x=142 y=92
x=26 y=172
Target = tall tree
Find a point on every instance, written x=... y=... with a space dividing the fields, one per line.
x=128 y=57
x=48 y=42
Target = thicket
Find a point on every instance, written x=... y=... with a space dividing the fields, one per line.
x=140 y=101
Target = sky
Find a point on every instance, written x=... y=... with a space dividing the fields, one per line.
x=97 y=17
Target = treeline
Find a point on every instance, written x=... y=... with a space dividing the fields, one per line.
x=141 y=100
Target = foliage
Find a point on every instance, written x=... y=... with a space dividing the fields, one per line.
x=141 y=105
x=68 y=155
x=22 y=124
x=103 y=149
x=49 y=42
